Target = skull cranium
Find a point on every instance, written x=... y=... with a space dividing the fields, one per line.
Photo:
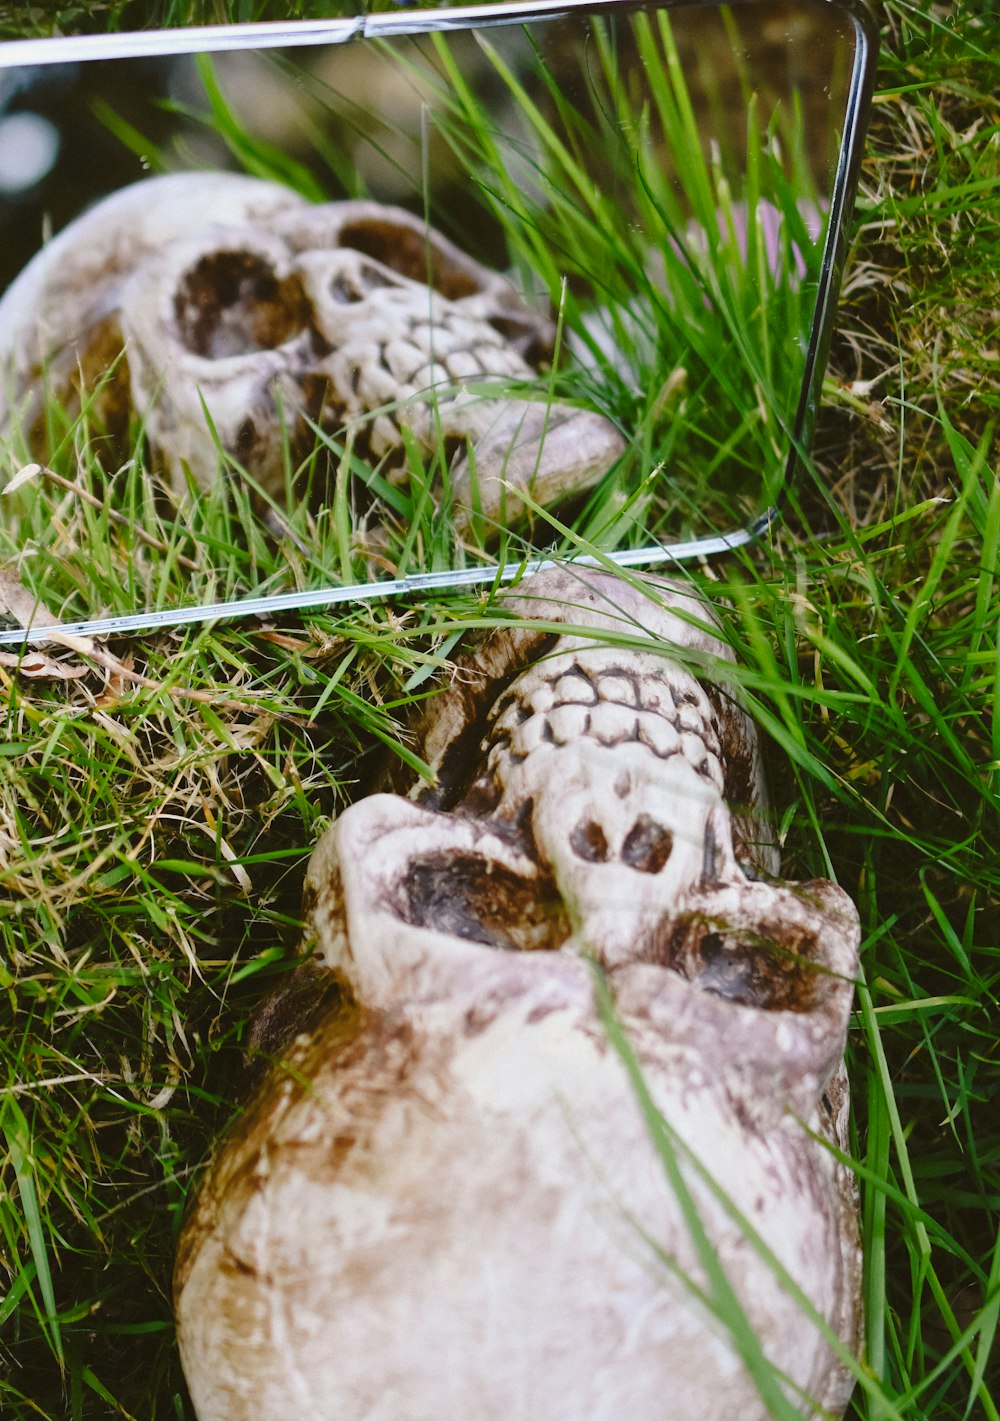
x=238 y=298
x=448 y=1202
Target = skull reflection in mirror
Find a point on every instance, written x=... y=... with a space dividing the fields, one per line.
x=444 y=1201
x=238 y=299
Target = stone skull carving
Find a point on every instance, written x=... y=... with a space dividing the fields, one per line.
x=445 y=1201
x=276 y=316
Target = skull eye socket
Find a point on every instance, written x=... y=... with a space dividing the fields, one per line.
x=482 y=901
x=752 y=968
x=232 y=303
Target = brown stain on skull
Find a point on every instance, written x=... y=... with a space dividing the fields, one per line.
x=93 y=371
x=283 y=1086
x=308 y=994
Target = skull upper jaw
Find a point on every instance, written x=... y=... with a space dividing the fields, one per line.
x=414 y=908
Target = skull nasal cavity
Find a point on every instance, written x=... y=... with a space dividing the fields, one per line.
x=647 y=845
x=588 y=842
x=231 y=303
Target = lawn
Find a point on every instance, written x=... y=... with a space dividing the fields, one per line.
x=157 y=812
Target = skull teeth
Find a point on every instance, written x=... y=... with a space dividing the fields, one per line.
x=658 y=734
x=542 y=698
x=689 y=719
x=686 y=713
x=573 y=722
x=528 y=737
x=574 y=688
x=605 y=725
x=608 y=707
x=618 y=690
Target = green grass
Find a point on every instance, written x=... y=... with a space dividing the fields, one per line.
x=156 y=815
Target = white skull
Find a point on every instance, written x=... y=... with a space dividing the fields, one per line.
x=239 y=298
x=446 y=1202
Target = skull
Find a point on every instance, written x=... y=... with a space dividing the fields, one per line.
x=239 y=298
x=446 y=1200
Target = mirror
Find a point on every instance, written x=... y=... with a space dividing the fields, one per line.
x=587 y=317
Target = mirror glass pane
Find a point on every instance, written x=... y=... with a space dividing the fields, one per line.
x=653 y=184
